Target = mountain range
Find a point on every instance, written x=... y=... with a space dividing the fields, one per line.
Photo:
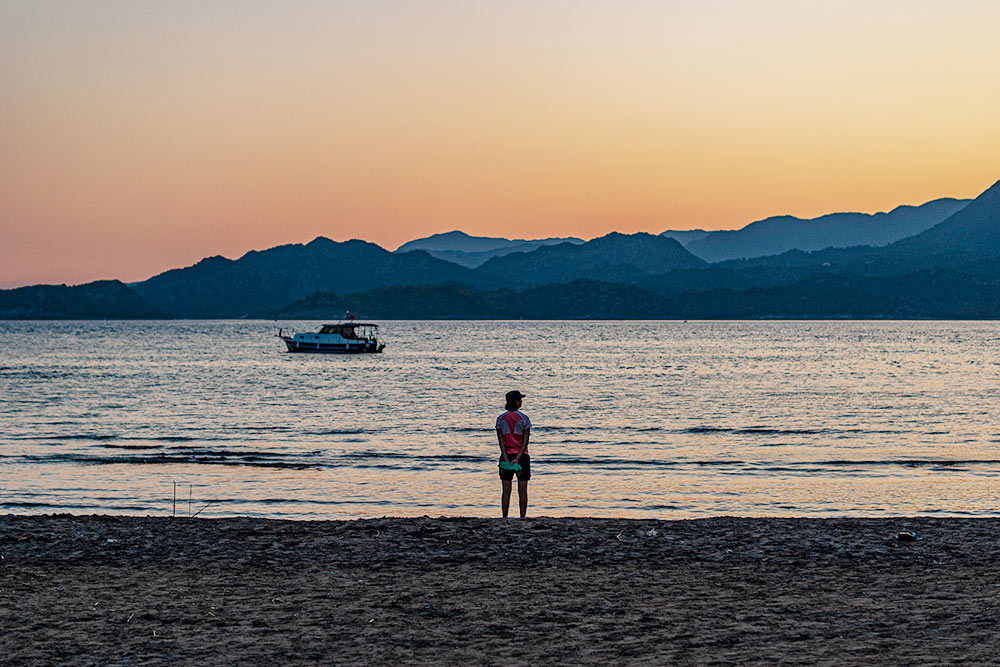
x=265 y=280
x=471 y=251
x=948 y=267
x=776 y=235
x=770 y=236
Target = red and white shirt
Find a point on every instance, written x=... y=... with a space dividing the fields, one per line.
x=513 y=425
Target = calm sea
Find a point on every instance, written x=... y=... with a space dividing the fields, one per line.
x=633 y=419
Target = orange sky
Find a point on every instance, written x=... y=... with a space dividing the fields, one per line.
x=141 y=136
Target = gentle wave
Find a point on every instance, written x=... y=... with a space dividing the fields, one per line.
x=161 y=458
x=335 y=431
x=109 y=445
x=101 y=437
x=403 y=456
x=756 y=430
x=585 y=436
x=407 y=461
x=32 y=374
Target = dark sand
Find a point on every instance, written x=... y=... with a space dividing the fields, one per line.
x=116 y=591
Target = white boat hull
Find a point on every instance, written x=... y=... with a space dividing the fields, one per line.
x=346 y=347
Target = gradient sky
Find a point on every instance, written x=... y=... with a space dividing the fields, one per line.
x=139 y=136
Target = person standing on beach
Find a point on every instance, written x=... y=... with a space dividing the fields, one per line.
x=513 y=431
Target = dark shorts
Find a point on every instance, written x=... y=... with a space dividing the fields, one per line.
x=522 y=476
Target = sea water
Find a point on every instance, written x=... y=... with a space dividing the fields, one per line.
x=662 y=419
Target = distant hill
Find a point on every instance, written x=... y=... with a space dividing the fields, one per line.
x=581 y=299
x=447 y=301
x=609 y=258
x=974 y=229
x=968 y=241
x=942 y=294
x=685 y=236
x=103 y=299
x=472 y=251
x=773 y=236
x=273 y=278
x=924 y=294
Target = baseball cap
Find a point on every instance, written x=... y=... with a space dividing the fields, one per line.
x=513 y=396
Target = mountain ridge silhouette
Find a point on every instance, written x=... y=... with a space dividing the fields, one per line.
x=651 y=275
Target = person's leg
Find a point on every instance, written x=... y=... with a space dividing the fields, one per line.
x=522 y=497
x=505 y=496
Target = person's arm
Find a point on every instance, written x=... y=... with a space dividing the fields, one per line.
x=503 y=449
x=524 y=445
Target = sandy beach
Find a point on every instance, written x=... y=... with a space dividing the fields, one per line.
x=120 y=590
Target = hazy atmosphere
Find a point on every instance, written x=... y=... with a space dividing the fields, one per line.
x=141 y=136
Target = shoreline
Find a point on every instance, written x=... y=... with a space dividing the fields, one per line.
x=118 y=590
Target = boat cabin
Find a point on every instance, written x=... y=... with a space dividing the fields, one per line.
x=351 y=330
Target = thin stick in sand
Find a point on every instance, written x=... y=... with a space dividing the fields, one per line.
x=203 y=508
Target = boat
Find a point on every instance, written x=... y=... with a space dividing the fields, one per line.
x=341 y=338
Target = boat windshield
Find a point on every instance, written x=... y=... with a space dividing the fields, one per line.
x=350 y=331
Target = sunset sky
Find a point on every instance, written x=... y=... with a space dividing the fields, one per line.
x=140 y=136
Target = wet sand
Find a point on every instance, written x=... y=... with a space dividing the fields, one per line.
x=122 y=591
